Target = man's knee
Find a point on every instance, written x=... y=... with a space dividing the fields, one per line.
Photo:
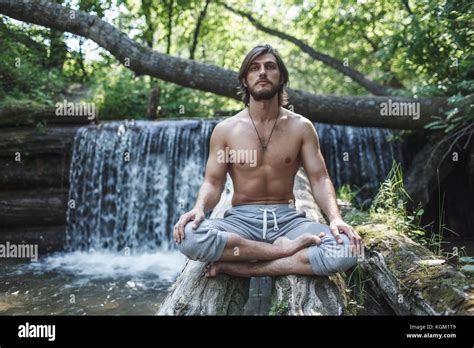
x=202 y=244
x=189 y=246
x=331 y=257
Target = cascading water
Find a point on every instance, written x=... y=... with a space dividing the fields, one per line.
x=360 y=157
x=131 y=181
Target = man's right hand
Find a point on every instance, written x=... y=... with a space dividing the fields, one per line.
x=197 y=215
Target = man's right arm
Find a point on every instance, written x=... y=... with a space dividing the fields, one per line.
x=216 y=170
x=211 y=189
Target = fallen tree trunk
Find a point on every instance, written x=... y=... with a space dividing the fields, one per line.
x=405 y=274
x=193 y=293
x=300 y=295
x=348 y=110
x=30 y=115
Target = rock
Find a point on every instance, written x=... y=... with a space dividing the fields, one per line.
x=466 y=259
x=43 y=207
x=468 y=269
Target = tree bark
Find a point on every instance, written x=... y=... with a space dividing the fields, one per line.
x=334 y=63
x=357 y=111
x=153 y=103
x=201 y=17
x=30 y=115
x=300 y=295
x=392 y=263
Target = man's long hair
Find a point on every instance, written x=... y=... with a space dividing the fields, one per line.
x=244 y=68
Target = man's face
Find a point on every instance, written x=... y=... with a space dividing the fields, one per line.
x=263 y=77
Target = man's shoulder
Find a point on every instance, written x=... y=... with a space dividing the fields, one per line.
x=299 y=121
x=230 y=122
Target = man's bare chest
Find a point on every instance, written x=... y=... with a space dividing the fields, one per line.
x=244 y=148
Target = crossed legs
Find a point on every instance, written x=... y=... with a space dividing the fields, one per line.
x=297 y=263
x=306 y=251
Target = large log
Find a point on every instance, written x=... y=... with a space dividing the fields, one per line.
x=31 y=115
x=193 y=293
x=300 y=295
x=404 y=273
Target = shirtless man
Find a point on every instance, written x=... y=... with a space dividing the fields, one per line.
x=263 y=234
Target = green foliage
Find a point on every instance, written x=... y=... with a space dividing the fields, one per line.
x=118 y=94
x=278 y=309
x=390 y=205
x=460 y=115
x=355 y=281
x=423 y=48
x=24 y=73
x=346 y=194
x=357 y=216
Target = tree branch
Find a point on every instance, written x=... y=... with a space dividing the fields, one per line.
x=334 y=63
x=201 y=17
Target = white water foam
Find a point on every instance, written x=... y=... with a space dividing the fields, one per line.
x=105 y=264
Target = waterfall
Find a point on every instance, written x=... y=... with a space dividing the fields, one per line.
x=360 y=157
x=130 y=181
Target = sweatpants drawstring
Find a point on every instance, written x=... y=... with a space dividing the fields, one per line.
x=275 y=224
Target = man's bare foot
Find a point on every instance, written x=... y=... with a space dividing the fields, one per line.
x=211 y=269
x=292 y=246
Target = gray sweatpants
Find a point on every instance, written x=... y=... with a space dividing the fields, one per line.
x=265 y=223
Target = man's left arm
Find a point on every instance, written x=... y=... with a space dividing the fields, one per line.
x=321 y=185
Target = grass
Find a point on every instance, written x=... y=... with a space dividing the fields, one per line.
x=390 y=208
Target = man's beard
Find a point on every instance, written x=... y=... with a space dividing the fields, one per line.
x=264 y=94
